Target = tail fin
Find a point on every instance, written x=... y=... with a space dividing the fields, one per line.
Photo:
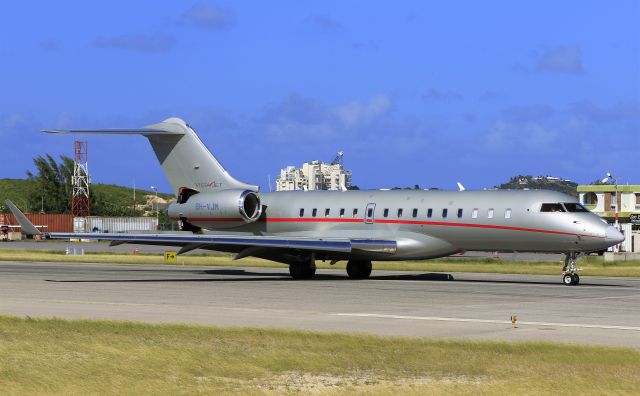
x=185 y=160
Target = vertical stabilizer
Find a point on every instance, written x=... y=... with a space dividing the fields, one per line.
x=185 y=160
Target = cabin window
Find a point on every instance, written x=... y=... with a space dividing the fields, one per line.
x=459 y=213
x=326 y=212
x=414 y=213
x=574 y=207
x=385 y=212
x=302 y=212
x=507 y=213
x=429 y=212
x=474 y=213
x=551 y=207
x=490 y=214
x=399 y=213
x=370 y=212
x=342 y=212
x=314 y=212
x=444 y=213
x=355 y=212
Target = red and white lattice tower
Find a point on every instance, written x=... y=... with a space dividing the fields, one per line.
x=80 y=206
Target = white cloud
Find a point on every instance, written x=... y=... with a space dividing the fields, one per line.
x=326 y=23
x=357 y=113
x=514 y=136
x=437 y=95
x=563 y=59
x=150 y=43
x=298 y=116
x=209 y=16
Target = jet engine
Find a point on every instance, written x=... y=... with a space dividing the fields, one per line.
x=221 y=209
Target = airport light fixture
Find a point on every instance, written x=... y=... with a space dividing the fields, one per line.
x=154 y=188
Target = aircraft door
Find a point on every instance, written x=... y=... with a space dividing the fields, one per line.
x=370 y=213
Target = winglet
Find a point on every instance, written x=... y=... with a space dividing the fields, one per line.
x=27 y=227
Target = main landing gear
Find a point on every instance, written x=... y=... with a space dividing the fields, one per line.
x=569 y=271
x=306 y=269
x=303 y=269
x=358 y=269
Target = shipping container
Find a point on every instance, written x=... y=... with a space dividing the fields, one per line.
x=67 y=223
x=119 y=224
x=44 y=222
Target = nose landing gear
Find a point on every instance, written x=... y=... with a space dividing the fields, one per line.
x=570 y=276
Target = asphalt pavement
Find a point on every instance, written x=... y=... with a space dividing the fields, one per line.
x=600 y=310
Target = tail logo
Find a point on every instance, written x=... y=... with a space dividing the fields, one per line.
x=208 y=184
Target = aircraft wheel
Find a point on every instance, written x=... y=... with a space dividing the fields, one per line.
x=302 y=270
x=567 y=279
x=576 y=279
x=359 y=269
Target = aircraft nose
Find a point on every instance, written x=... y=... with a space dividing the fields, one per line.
x=614 y=236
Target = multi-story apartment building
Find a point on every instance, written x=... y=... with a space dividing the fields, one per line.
x=314 y=175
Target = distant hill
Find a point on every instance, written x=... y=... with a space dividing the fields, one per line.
x=16 y=190
x=540 y=183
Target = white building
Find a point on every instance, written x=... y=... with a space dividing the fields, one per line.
x=610 y=201
x=314 y=175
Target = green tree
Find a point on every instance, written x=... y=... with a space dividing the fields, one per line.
x=50 y=189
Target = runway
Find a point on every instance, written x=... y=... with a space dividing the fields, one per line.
x=472 y=306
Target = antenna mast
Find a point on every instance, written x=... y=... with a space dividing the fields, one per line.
x=338 y=158
x=80 y=203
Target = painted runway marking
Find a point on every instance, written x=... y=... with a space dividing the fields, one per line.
x=492 y=321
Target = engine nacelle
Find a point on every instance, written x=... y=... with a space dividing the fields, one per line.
x=222 y=209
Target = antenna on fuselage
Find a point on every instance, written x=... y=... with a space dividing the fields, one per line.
x=460 y=186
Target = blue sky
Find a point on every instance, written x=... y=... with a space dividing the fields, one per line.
x=414 y=92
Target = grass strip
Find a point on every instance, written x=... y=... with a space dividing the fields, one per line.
x=53 y=356
x=592 y=265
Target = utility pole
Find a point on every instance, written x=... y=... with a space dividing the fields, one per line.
x=618 y=199
x=154 y=188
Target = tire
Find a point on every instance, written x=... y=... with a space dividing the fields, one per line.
x=359 y=269
x=302 y=270
x=567 y=279
x=576 y=279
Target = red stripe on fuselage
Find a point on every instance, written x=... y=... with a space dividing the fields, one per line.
x=216 y=219
x=409 y=222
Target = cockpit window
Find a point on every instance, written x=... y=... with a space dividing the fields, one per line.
x=574 y=207
x=551 y=207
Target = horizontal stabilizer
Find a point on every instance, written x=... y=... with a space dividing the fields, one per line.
x=27 y=227
x=143 y=131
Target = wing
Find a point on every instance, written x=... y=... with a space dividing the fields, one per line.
x=230 y=242
x=244 y=245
